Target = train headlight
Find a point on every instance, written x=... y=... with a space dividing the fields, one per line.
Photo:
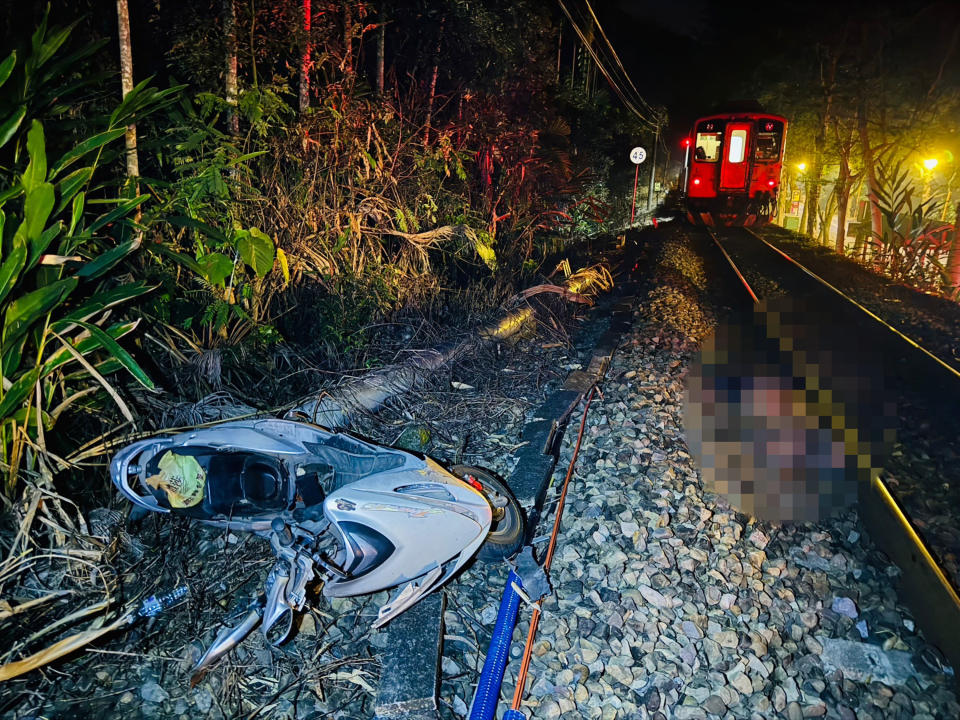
x=696 y=181
x=771 y=183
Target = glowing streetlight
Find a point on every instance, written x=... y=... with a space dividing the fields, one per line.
x=801 y=166
x=930 y=163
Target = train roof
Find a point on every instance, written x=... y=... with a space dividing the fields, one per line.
x=740 y=116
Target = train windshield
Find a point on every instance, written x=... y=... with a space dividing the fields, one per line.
x=708 y=146
x=768 y=146
x=768 y=141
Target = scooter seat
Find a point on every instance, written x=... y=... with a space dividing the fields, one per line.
x=260 y=480
x=236 y=483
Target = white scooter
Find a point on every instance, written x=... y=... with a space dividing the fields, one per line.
x=357 y=516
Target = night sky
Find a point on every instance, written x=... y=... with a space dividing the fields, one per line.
x=689 y=54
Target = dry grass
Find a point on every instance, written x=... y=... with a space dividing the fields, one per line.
x=69 y=586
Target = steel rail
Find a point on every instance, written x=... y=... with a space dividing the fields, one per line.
x=926 y=588
x=849 y=299
x=716 y=241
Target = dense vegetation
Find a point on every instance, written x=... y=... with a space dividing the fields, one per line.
x=305 y=171
x=873 y=101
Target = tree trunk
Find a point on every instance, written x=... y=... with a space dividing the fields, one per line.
x=433 y=86
x=876 y=218
x=827 y=85
x=230 y=70
x=305 y=58
x=823 y=236
x=381 y=51
x=347 y=38
x=126 y=84
x=843 y=201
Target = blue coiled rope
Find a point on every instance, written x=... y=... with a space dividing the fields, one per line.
x=485 y=699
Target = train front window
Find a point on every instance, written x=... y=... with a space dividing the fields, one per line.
x=768 y=146
x=708 y=147
x=738 y=142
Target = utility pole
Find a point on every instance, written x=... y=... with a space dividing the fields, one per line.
x=653 y=168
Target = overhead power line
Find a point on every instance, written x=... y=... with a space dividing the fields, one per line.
x=617 y=60
x=630 y=96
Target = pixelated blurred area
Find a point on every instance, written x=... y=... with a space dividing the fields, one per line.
x=787 y=412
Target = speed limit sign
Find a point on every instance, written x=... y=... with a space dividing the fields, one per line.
x=638 y=155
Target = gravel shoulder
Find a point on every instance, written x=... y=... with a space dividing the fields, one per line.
x=669 y=604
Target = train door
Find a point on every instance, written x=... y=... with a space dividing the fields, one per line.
x=735 y=168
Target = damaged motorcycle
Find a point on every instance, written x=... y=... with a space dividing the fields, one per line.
x=338 y=511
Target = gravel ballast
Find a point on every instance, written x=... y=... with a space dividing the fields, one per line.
x=668 y=603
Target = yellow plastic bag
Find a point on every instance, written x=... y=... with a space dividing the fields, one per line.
x=181 y=478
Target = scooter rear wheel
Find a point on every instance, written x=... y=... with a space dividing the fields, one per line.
x=508 y=525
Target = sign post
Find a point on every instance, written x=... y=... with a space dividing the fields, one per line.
x=653 y=170
x=637 y=156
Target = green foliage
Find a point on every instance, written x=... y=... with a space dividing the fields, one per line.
x=57 y=292
x=41 y=82
x=904 y=249
x=55 y=308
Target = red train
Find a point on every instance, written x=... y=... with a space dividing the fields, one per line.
x=734 y=168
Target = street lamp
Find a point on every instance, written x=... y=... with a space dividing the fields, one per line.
x=801 y=166
x=686 y=164
x=928 y=165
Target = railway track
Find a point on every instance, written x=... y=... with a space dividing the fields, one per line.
x=896 y=510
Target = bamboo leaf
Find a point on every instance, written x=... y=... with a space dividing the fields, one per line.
x=36 y=172
x=52 y=44
x=70 y=186
x=141 y=101
x=10 y=270
x=98 y=266
x=10 y=126
x=26 y=309
x=65 y=64
x=10 y=193
x=92 y=371
x=121 y=210
x=37 y=208
x=18 y=392
x=243 y=158
x=13 y=352
x=76 y=212
x=40 y=246
x=118 y=352
x=185 y=260
x=6 y=67
x=100 y=302
x=92 y=143
x=85 y=345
